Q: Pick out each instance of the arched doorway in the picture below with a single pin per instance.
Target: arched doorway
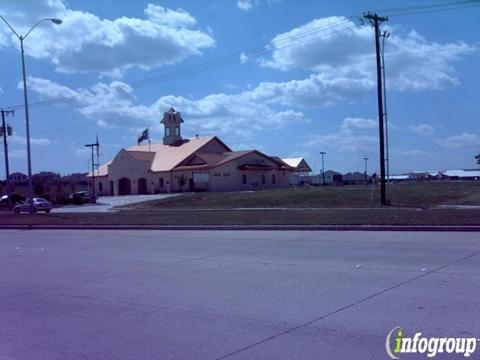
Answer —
(142, 186)
(111, 188)
(124, 187)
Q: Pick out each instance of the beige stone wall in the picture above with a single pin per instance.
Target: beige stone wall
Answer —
(102, 185)
(228, 178)
(125, 165)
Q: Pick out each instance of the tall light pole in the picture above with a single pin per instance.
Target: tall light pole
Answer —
(25, 96)
(366, 169)
(323, 167)
(7, 131)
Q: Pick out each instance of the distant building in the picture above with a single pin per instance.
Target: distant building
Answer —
(301, 171)
(398, 178)
(197, 164)
(354, 178)
(332, 178)
(18, 178)
(467, 174)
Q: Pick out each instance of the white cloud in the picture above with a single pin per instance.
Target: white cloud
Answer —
(15, 139)
(317, 90)
(111, 104)
(245, 5)
(82, 153)
(350, 124)
(243, 58)
(240, 116)
(86, 43)
(338, 48)
(460, 141)
(412, 153)
(355, 135)
(424, 130)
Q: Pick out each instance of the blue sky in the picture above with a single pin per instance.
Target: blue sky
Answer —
(300, 79)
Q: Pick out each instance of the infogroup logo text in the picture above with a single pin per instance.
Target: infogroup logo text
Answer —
(397, 343)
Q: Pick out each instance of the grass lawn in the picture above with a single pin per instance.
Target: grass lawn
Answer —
(413, 204)
(391, 216)
(416, 195)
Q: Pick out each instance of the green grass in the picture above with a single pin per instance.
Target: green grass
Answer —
(417, 195)
(389, 216)
(413, 204)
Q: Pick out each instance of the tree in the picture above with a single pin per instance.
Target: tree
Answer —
(477, 157)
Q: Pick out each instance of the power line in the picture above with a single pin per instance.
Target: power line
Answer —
(262, 49)
(216, 63)
(390, 11)
(433, 10)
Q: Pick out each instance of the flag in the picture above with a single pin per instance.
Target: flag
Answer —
(144, 136)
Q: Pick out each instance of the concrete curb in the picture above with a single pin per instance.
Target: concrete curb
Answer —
(426, 228)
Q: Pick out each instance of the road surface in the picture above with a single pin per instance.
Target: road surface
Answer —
(231, 295)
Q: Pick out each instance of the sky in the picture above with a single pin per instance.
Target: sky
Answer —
(289, 78)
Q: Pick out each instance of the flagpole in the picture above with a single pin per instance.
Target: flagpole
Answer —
(148, 133)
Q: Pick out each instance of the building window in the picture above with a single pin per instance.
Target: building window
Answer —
(263, 179)
(273, 178)
(160, 182)
(244, 179)
(100, 187)
(177, 131)
(167, 131)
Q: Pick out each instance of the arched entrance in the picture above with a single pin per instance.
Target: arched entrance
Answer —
(124, 187)
(142, 186)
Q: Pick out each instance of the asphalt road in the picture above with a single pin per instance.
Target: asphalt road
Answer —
(231, 295)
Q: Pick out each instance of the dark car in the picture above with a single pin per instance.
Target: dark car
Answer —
(39, 204)
(14, 199)
(80, 197)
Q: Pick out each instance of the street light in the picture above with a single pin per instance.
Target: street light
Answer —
(323, 167)
(27, 121)
(366, 174)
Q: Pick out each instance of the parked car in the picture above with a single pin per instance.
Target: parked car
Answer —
(39, 204)
(80, 197)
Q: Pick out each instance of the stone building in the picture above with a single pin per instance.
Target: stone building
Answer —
(197, 164)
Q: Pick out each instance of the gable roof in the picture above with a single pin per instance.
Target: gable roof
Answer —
(293, 162)
(298, 163)
(142, 155)
(211, 160)
(166, 157)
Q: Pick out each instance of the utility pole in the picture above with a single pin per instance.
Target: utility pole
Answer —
(323, 167)
(375, 21)
(7, 131)
(385, 35)
(366, 169)
(93, 146)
